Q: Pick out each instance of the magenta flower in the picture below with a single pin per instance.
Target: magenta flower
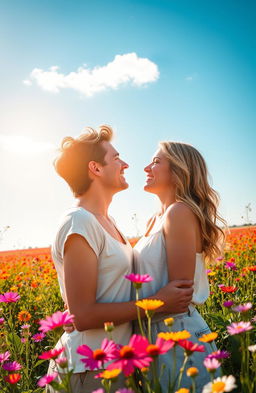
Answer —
(243, 307)
(132, 355)
(139, 278)
(219, 355)
(4, 356)
(57, 319)
(51, 354)
(11, 366)
(228, 303)
(191, 347)
(38, 337)
(211, 364)
(46, 380)
(161, 346)
(95, 359)
(9, 297)
(230, 265)
(1, 321)
(239, 327)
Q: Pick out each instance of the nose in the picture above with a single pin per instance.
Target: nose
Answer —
(147, 168)
(125, 165)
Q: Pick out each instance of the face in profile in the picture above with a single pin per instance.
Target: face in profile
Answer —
(159, 175)
(113, 170)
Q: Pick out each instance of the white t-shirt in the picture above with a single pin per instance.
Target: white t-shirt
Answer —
(114, 262)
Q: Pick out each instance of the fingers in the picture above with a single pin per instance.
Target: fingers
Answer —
(183, 283)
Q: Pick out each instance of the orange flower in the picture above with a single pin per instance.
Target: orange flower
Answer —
(149, 304)
(175, 336)
(208, 338)
(192, 372)
(182, 390)
(24, 316)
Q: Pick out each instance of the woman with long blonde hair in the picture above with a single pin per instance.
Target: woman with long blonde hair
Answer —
(178, 241)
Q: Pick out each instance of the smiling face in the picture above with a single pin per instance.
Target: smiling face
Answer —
(159, 175)
(112, 173)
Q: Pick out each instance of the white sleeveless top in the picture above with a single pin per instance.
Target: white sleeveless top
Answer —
(150, 258)
(115, 260)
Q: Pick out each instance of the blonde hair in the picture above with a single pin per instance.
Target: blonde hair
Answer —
(192, 188)
(75, 154)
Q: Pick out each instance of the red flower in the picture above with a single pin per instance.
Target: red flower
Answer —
(252, 268)
(52, 354)
(228, 289)
(191, 347)
(161, 346)
(12, 378)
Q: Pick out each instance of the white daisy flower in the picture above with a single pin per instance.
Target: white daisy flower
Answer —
(252, 348)
(220, 385)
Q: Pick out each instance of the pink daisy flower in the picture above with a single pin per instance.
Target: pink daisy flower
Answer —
(57, 319)
(4, 356)
(219, 355)
(191, 347)
(239, 327)
(38, 337)
(52, 354)
(230, 265)
(62, 362)
(11, 366)
(243, 307)
(161, 346)
(95, 359)
(211, 364)
(139, 278)
(132, 355)
(47, 379)
(1, 321)
(9, 297)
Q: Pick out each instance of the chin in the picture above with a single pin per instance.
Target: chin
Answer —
(148, 188)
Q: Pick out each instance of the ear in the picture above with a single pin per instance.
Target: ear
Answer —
(94, 167)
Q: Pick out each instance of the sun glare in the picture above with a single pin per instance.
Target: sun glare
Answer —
(24, 145)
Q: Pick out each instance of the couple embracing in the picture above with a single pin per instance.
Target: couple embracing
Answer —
(92, 256)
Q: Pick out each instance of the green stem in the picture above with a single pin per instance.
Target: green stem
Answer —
(182, 370)
(138, 315)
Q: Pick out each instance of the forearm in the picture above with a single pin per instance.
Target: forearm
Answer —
(93, 316)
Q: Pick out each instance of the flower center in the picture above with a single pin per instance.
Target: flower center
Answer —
(218, 387)
(153, 350)
(98, 354)
(127, 352)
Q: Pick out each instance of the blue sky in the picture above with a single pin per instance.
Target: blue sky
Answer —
(196, 84)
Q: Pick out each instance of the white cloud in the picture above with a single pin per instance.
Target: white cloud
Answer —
(123, 69)
(24, 145)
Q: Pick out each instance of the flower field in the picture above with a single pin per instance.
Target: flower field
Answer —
(29, 293)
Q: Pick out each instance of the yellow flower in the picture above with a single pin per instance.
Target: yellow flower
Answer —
(212, 273)
(14, 289)
(149, 304)
(110, 374)
(182, 390)
(192, 372)
(24, 316)
(175, 336)
(208, 338)
(169, 321)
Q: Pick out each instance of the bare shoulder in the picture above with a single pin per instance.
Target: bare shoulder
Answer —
(179, 213)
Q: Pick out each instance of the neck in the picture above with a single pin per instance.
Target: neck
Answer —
(95, 201)
(166, 199)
